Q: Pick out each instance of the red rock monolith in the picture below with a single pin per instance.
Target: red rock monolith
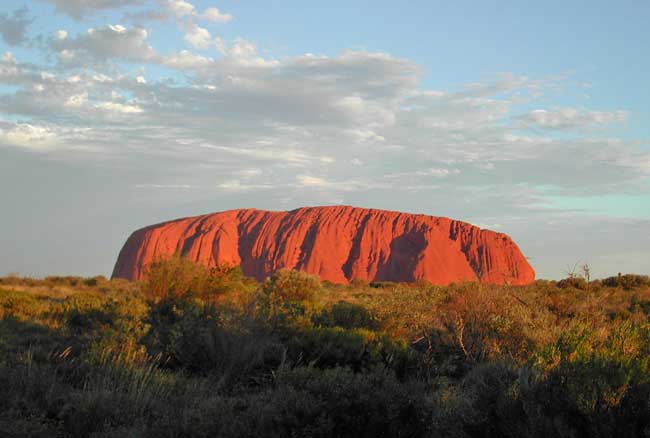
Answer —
(338, 244)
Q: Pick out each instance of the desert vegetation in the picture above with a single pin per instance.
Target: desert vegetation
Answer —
(197, 352)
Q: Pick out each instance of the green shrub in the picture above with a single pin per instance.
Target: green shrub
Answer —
(627, 281)
(573, 282)
(486, 325)
(307, 402)
(178, 276)
(174, 277)
(345, 315)
(330, 347)
(592, 396)
(94, 281)
(188, 334)
(21, 305)
(382, 284)
(294, 286)
(485, 404)
(287, 298)
(357, 349)
(88, 319)
(358, 283)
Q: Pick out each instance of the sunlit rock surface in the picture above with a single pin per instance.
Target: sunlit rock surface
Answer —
(338, 244)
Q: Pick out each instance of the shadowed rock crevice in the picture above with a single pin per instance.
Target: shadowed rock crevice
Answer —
(248, 233)
(405, 252)
(355, 251)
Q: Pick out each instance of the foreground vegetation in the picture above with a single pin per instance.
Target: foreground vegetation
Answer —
(192, 352)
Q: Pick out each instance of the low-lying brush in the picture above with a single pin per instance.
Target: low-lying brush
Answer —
(196, 352)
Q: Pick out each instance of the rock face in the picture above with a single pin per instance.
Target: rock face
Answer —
(336, 243)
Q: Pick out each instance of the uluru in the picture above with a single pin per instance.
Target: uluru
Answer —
(337, 243)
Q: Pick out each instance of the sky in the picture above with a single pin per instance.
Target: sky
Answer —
(528, 118)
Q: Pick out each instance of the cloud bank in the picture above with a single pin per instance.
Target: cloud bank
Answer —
(218, 118)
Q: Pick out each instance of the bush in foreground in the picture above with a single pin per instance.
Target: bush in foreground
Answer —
(218, 355)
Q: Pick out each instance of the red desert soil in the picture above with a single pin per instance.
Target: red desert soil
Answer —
(338, 244)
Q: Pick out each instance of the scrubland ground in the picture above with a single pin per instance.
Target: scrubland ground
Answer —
(192, 352)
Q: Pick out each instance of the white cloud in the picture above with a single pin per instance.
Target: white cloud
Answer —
(198, 37)
(77, 100)
(66, 55)
(572, 118)
(341, 185)
(182, 9)
(78, 8)
(108, 42)
(237, 186)
(119, 107)
(434, 172)
(214, 15)
(312, 181)
(28, 136)
(441, 173)
(185, 60)
(242, 49)
(357, 122)
(9, 71)
(364, 136)
(165, 186)
(249, 173)
(220, 46)
(8, 58)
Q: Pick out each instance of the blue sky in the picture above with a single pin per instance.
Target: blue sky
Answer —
(527, 118)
